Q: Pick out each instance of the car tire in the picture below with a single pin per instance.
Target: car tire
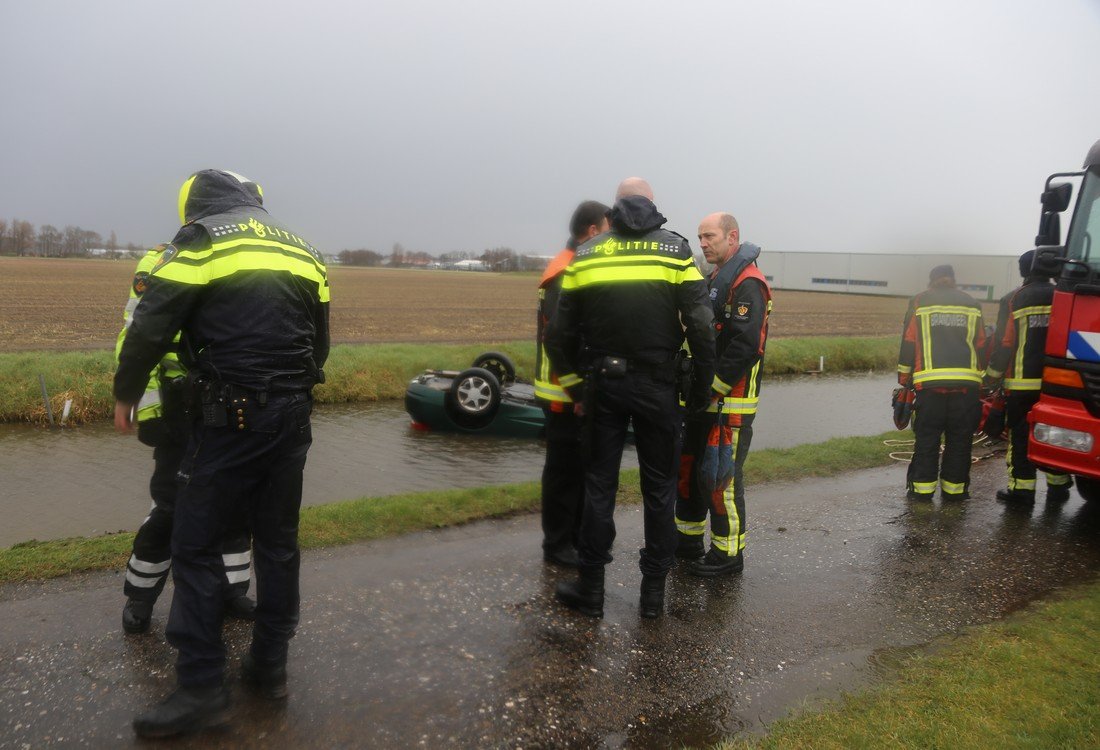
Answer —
(1088, 488)
(473, 398)
(498, 364)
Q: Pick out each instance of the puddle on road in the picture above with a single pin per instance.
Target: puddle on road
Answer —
(88, 481)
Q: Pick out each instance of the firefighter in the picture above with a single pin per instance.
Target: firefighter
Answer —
(941, 341)
(741, 301)
(1017, 364)
(162, 426)
(562, 475)
(628, 295)
(250, 300)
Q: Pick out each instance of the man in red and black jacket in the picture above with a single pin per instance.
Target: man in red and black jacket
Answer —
(563, 473)
(941, 344)
(742, 301)
(1017, 363)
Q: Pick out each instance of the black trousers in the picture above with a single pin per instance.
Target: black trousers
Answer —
(149, 563)
(653, 406)
(1021, 472)
(562, 480)
(951, 416)
(229, 474)
(726, 507)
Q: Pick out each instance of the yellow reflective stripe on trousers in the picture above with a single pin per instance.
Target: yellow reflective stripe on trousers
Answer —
(733, 543)
(924, 376)
(213, 265)
(691, 528)
(734, 405)
(1057, 480)
(551, 392)
(1023, 384)
(952, 488)
(925, 488)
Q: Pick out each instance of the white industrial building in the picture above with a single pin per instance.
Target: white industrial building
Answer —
(984, 277)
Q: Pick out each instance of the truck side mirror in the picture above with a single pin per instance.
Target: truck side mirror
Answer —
(1056, 197)
(1048, 260)
(1050, 229)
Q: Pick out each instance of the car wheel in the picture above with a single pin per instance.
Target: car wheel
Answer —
(473, 398)
(498, 364)
(1088, 488)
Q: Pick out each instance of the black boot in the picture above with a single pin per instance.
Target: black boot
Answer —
(1016, 496)
(716, 563)
(186, 710)
(1058, 493)
(653, 596)
(267, 679)
(241, 607)
(689, 546)
(136, 616)
(585, 594)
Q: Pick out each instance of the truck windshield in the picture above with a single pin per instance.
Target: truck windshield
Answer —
(1085, 229)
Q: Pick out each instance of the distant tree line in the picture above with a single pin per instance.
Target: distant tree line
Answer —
(19, 237)
(496, 259)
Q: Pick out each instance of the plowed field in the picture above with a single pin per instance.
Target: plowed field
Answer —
(49, 303)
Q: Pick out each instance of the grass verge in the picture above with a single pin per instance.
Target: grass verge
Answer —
(1030, 681)
(367, 372)
(374, 518)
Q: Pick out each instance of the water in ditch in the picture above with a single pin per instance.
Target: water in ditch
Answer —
(88, 480)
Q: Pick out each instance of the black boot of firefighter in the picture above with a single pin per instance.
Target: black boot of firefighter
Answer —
(689, 546)
(585, 594)
(136, 616)
(653, 596)
(717, 563)
(186, 710)
(1016, 496)
(1058, 493)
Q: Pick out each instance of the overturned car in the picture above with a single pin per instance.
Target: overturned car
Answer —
(485, 398)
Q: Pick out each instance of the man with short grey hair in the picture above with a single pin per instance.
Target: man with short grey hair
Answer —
(716, 442)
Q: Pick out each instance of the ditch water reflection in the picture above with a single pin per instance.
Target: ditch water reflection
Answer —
(87, 481)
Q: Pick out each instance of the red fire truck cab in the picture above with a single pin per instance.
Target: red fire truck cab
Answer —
(1065, 424)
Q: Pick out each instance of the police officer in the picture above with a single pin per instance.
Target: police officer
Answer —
(163, 426)
(250, 298)
(1017, 363)
(562, 475)
(941, 340)
(741, 300)
(628, 295)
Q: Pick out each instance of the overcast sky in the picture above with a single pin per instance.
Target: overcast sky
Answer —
(847, 125)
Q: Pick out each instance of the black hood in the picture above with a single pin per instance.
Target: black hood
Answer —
(214, 191)
(635, 214)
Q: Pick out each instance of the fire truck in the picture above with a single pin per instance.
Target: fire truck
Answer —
(1065, 424)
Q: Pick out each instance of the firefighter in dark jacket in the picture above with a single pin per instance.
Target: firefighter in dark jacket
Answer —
(628, 295)
(562, 474)
(162, 425)
(941, 344)
(741, 300)
(250, 300)
(1017, 363)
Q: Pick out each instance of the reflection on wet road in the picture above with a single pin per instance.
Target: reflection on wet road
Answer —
(89, 481)
(453, 637)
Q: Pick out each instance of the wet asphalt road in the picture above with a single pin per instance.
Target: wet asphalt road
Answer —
(453, 638)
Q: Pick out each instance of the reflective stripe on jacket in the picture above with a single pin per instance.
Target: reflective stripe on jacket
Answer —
(941, 340)
(1021, 336)
(547, 386)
